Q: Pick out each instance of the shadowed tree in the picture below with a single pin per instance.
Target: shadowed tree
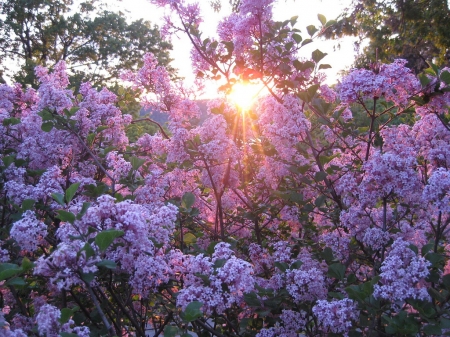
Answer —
(95, 43)
(416, 30)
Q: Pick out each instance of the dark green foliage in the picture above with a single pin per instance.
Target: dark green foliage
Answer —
(417, 31)
(96, 44)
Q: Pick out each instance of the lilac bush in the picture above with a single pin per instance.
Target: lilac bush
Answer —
(317, 211)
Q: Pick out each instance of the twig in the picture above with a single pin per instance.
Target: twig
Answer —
(108, 326)
(154, 122)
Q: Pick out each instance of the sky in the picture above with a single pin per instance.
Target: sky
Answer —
(306, 10)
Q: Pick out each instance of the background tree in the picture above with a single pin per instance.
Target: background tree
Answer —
(416, 30)
(95, 43)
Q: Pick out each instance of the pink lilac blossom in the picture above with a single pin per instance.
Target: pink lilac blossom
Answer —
(337, 316)
(338, 241)
(376, 238)
(402, 274)
(235, 274)
(328, 94)
(63, 266)
(150, 272)
(97, 108)
(260, 258)
(436, 192)
(119, 167)
(283, 124)
(52, 91)
(29, 232)
(50, 182)
(306, 283)
(388, 175)
(23, 323)
(394, 81)
(292, 324)
(48, 321)
(5, 330)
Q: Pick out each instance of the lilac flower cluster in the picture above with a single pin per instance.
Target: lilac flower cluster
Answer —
(29, 232)
(403, 274)
(337, 316)
(226, 283)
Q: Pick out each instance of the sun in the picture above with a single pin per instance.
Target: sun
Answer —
(244, 94)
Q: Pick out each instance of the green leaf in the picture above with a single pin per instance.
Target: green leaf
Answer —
(70, 192)
(105, 238)
(293, 20)
(434, 258)
(434, 68)
(252, 299)
(189, 239)
(66, 313)
(11, 121)
(66, 216)
(16, 281)
(414, 248)
(304, 96)
(426, 248)
(336, 270)
(90, 138)
(170, 331)
(327, 254)
(192, 311)
(317, 55)
(320, 200)
(283, 266)
(188, 200)
(445, 76)
(27, 264)
(46, 115)
(107, 264)
(28, 204)
(83, 210)
(312, 90)
(326, 159)
(101, 128)
(436, 295)
(8, 160)
(446, 281)
(356, 293)
(432, 330)
(330, 23)
(324, 66)
(297, 38)
(88, 277)
(322, 18)
(68, 334)
(72, 111)
(219, 263)
(47, 126)
(229, 45)
(88, 249)
(8, 270)
(445, 323)
(311, 30)
(59, 198)
(424, 80)
(296, 265)
(319, 176)
(211, 247)
(136, 163)
(306, 41)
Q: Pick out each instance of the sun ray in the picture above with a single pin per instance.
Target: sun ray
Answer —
(244, 94)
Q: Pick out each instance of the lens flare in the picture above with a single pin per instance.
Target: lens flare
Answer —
(244, 94)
